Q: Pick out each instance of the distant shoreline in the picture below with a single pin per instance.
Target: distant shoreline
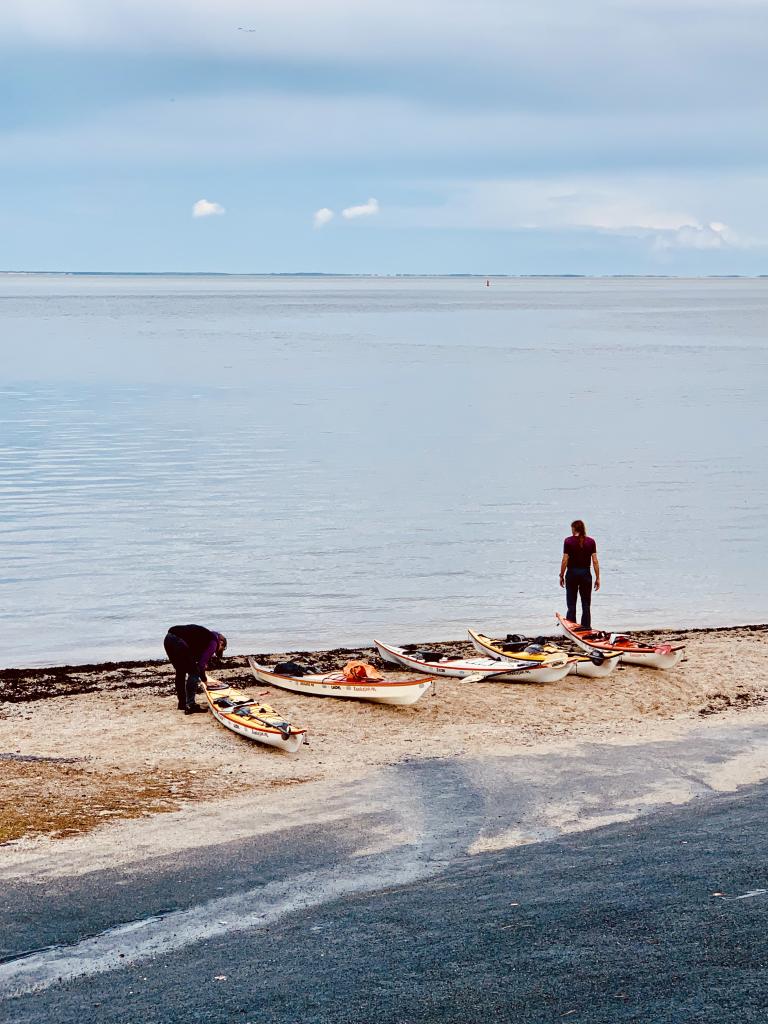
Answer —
(385, 277)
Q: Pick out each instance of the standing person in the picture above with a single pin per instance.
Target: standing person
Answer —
(190, 650)
(579, 553)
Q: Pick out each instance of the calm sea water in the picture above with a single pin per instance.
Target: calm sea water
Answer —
(311, 462)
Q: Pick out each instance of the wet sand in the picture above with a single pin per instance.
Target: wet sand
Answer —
(86, 746)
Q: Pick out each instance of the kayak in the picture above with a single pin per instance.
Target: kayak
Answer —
(464, 668)
(662, 656)
(248, 717)
(334, 684)
(594, 665)
(547, 654)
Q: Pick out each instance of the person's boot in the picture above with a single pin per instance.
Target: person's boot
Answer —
(192, 707)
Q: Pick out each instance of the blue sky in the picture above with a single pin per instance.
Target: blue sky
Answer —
(491, 136)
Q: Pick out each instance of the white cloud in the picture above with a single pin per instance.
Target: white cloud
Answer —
(322, 217)
(714, 235)
(273, 130)
(665, 212)
(632, 206)
(205, 208)
(368, 209)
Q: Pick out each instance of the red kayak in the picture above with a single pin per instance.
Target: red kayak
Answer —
(662, 656)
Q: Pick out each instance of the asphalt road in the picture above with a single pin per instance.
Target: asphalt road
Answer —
(620, 923)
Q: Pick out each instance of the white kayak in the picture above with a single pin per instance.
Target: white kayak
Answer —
(662, 656)
(399, 692)
(594, 665)
(466, 668)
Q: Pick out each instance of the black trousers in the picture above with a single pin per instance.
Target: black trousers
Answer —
(187, 672)
(578, 583)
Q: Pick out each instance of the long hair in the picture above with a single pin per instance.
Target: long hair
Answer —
(581, 530)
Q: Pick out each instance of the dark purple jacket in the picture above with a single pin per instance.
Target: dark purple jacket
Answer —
(201, 642)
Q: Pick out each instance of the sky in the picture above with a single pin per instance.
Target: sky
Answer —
(384, 136)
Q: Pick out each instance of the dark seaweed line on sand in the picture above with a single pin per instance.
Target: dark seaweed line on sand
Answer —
(29, 684)
(24, 685)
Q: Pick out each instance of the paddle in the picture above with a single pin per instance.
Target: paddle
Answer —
(283, 728)
(478, 677)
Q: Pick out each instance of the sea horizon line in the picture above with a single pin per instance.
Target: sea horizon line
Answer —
(373, 276)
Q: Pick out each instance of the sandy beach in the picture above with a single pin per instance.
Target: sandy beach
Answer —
(149, 860)
(87, 746)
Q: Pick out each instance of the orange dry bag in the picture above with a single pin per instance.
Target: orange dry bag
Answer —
(359, 671)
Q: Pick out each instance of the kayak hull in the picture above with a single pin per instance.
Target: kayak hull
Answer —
(654, 660)
(586, 667)
(461, 668)
(333, 684)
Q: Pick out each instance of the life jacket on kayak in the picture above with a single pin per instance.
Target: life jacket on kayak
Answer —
(359, 671)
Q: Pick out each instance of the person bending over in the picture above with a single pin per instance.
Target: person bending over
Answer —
(579, 553)
(190, 650)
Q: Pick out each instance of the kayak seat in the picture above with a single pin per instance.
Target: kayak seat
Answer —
(430, 656)
(289, 668)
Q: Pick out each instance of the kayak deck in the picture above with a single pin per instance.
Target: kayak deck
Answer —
(334, 684)
(250, 717)
(662, 656)
(474, 669)
(549, 654)
(618, 642)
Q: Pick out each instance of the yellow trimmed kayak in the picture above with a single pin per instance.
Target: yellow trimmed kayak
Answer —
(594, 665)
(248, 717)
(548, 655)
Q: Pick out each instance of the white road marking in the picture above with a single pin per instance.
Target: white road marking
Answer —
(744, 896)
(156, 936)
